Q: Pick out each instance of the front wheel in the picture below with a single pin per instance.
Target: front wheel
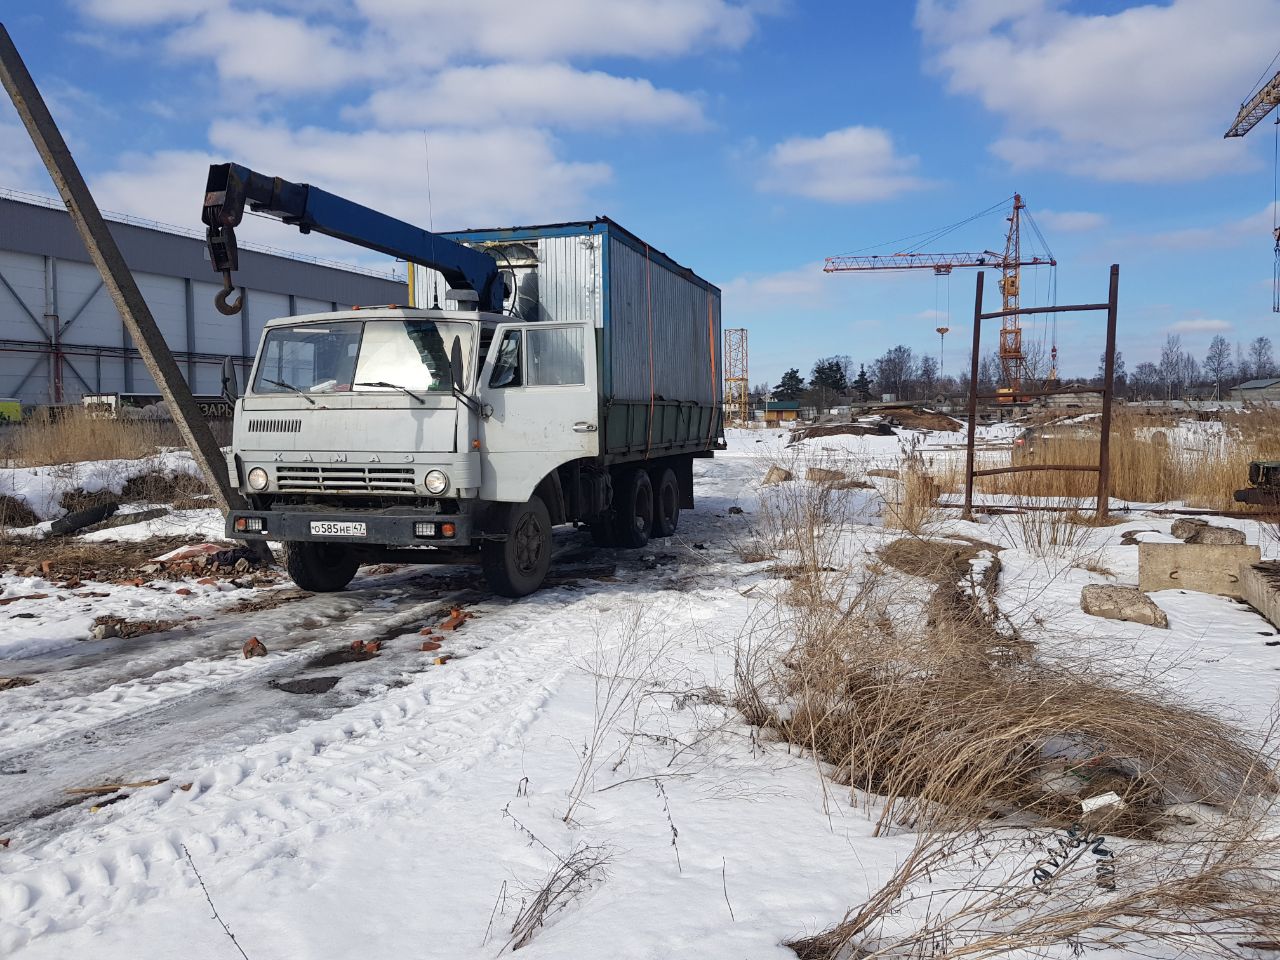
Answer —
(516, 566)
(319, 567)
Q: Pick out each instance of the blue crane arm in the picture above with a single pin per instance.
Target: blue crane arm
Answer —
(231, 186)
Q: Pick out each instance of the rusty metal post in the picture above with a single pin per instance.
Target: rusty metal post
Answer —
(1108, 393)
(973, 400)
(105, 254)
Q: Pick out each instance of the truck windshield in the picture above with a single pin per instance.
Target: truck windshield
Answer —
(350, 356)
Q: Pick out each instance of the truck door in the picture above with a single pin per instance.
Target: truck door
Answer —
(540, 381)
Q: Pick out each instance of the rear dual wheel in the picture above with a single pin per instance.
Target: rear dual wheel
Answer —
(645, 504)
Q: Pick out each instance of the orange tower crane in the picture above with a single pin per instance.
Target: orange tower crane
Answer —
(1013, 361)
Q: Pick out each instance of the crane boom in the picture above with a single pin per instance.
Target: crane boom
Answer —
(1257, 107)
(940, 263)
(230, 186)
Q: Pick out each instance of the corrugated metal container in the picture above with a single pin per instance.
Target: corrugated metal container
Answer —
(659, 321)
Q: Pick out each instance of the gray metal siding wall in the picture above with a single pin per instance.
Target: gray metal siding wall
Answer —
(569, 280)
(178, 285)
(656, 313)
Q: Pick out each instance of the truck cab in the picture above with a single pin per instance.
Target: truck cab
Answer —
(400, 433)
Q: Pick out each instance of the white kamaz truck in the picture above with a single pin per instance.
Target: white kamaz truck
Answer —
(562, 374)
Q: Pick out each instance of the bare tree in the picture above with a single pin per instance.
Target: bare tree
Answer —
(896, 370)
(928, 375)
(1217, 363)
(1261, 362)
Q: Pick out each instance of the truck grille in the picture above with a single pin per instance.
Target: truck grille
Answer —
(275, 426)
(344, 479)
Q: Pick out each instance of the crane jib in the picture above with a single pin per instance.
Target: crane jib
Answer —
(230, 187)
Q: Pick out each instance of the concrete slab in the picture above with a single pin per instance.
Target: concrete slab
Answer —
(1260, 583)
(1203, 567)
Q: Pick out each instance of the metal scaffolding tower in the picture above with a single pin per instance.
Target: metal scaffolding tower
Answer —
(737, 404)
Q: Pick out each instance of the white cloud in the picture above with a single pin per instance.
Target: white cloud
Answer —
(1070, 221)
(1255, 228)
(145, 12)
(279, 53)
(852, 165)
(1141, 95)
(556, 29)
(20, 166)
(531, 94)
(1200, 325)
(383, 170)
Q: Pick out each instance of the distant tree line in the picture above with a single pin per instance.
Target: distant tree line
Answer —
(907, 375)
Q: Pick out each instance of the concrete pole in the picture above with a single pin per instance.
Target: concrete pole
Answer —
(119, 282)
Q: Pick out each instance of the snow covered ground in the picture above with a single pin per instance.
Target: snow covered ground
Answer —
(416, 808)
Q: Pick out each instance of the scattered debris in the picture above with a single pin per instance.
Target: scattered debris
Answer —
(80, 519)
(736, 511)
(1130, 537)
(26, 596)
(12, 683)
(457, 617)
(870, 427)
(1195, 530)
(430, 645)
(109, 625)
(776, 474)
(106, 788)
(440, 661)
(823, 475)
(881, 472)
(1122, 603)
(125, 519)
(253, 647)
(309, 686)
(352, 654)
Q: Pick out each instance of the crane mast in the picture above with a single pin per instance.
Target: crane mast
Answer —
(1013, 362)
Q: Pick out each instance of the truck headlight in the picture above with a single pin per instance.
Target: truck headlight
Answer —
(436, 481)
(258, 479)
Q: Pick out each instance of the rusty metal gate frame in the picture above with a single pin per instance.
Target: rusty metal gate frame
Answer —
(1103, 468)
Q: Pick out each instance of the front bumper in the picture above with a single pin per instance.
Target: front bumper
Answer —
(382, 527)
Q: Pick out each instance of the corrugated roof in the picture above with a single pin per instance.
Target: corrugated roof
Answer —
(1259, 384)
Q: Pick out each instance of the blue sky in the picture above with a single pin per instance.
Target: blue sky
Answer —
(749, 139)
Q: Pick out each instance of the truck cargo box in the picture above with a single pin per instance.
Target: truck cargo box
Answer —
(658, 325)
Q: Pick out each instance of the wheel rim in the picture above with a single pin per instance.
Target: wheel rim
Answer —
(528, 537)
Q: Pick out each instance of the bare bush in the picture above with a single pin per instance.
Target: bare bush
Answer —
(569, 879)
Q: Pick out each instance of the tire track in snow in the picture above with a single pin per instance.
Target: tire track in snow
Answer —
(403, 749)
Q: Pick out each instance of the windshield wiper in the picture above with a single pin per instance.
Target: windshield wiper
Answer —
(391, 386)
(290, 386)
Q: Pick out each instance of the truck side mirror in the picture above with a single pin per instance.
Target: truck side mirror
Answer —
(230, 382)
(455, 364)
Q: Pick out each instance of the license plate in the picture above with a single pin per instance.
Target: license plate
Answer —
(330, 528)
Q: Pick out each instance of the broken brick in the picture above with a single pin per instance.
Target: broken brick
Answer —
(4, 841)
(372, 646)
(457, 617)
(441, 660)
(46, 566)
(253, 647)
(208, 581)
(429, 645)
(183, 592)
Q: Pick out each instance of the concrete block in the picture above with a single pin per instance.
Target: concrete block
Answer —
(1260, 583)
(1202, 567)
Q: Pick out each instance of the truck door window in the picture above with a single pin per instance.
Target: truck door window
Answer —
(553, 357)
(506, 366)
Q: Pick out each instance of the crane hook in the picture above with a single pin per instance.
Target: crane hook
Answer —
(220, 301)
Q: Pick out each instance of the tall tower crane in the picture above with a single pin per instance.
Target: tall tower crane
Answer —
(1252, 112)
(1013, 361)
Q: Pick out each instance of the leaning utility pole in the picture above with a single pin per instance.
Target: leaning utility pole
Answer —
(105, 254)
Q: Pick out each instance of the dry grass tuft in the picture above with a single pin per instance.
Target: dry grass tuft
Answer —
(15, 513)
(924, 699)
(76, 436)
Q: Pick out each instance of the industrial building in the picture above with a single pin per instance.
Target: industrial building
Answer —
(1258, 391)
(62, 338)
